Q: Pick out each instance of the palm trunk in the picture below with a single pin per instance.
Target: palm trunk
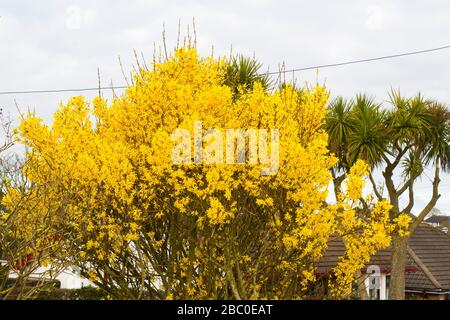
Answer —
(399, 254)
(400, 244)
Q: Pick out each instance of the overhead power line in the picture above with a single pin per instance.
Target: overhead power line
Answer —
(322, 66)
(338, 64)
(62, 90)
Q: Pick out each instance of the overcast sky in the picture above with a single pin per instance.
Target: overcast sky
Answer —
(60, 44)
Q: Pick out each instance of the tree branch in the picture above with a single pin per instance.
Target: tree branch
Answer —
(374, 187)
(434, 198)
(410, 205)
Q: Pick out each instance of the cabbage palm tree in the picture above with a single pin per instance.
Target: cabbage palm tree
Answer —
(242, 73)
(401, 140)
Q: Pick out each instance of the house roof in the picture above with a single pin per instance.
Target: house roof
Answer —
(438, 219)
(428, 259)
(432, 248)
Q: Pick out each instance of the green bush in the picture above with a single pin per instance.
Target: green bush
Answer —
(85, 293)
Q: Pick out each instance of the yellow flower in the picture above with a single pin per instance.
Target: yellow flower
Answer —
(111, 162)
(130, 237)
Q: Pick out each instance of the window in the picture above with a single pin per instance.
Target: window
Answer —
(374, 294)
(380, 290)
(388, 280)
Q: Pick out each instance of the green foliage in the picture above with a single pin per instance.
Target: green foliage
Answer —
(243, 72)
(439, 134)
(368, 136)
(85, 293)
(356, 130)
(361, 128)
(338, 125)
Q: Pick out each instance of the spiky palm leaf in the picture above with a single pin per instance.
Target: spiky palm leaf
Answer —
(438, 135)
(412, 166)
(369, 136)
(243, 72)
(409, 119)
(338, 126)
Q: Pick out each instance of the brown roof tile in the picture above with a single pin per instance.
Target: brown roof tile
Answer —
(428, 264)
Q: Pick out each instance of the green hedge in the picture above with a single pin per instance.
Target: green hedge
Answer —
(85, 293)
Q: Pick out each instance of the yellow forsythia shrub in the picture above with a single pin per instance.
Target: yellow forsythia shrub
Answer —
(145, 227)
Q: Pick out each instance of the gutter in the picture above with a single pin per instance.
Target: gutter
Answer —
(430, 291)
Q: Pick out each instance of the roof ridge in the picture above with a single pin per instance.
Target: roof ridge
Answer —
(424, 268)
(437, 229)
